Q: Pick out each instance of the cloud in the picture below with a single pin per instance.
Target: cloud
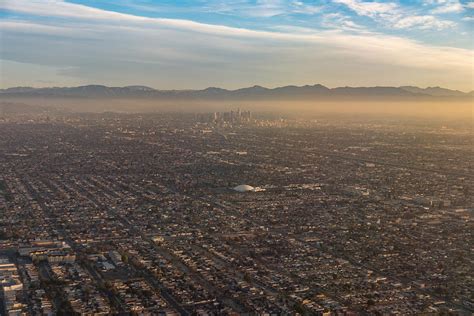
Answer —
(261, 8)
(423, 22)
(93, 45)
(61, 9)
(445, 6)
(58, 8)
(371, 9)
(340, 21)
(392, 15)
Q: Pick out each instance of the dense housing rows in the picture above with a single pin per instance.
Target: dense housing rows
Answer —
(124, 213)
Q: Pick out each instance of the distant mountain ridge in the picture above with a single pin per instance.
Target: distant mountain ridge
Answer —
(255, 92)
(435, 91)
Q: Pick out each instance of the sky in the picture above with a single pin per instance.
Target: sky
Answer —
(237, 43)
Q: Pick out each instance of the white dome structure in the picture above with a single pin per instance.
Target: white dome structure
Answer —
(244, 188)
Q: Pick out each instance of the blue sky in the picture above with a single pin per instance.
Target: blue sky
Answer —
(195, 44)
(430, 21)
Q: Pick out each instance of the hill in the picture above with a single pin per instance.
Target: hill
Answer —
(310, 92)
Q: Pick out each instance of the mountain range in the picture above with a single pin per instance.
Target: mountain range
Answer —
(255, 92)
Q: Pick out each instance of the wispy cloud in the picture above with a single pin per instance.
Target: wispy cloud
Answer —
(393, 15)
(422, 22)
(445, 6)
(338, 21)
(371, 9)
(262, 8)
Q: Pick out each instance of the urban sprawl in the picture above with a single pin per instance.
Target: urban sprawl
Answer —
(234, 214)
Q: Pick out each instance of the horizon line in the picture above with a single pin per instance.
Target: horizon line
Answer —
(236, 89)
